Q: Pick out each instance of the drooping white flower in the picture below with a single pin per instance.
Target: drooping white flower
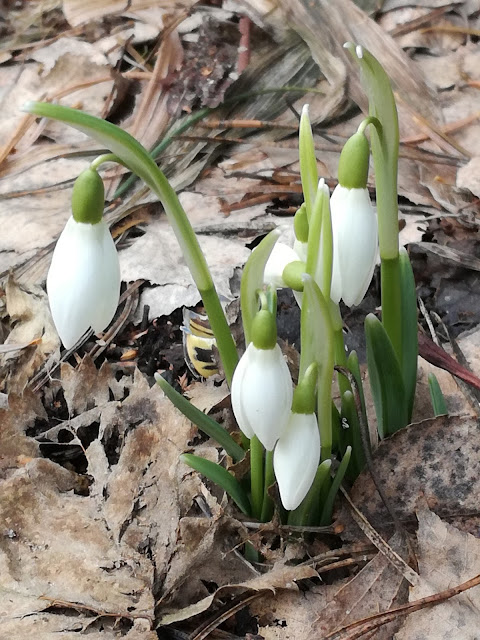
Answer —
(83, 283)
(262, 394)
(296, 458)
(355, 244)
(279, 258)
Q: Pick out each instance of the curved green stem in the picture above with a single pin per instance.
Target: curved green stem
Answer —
(105, 157)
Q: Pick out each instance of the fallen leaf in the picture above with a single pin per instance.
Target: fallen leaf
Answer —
(446, 557)
(140, 261)
(437, 459)
(31, 322)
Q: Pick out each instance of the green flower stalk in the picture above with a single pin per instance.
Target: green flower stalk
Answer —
(384, 141)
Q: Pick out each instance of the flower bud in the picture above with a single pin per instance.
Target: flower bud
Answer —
(280, 257)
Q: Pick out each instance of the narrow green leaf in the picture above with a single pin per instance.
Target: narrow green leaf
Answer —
(385, 379)
(438, 401)
(326, 517)
(352, 435)
(220, 476)
(317, 346)
(409, 323)
(252, 280)
(381, 103)
(308, 161)
(203, 422)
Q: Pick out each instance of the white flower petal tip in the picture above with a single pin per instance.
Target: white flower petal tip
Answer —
(305, 110)
(296, 458)
(280, 256)
(83, 283)
(355, 244)
(359, 51)
(262, 394)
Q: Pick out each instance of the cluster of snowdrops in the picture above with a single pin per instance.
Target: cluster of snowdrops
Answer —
(295, 435)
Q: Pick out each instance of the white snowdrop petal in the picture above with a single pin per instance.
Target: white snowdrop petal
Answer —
(107, 293)
(296, 458)
(83, 282)
(262, 394)
(238, 404)
(355, 242)
(280, 256)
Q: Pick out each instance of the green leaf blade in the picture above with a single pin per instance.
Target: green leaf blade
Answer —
(409, 324)
(386, 379)
(203, 422)
(220, 476)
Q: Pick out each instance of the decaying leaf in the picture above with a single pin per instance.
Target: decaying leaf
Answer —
(442, 465)
(447, 557)
(171, 273)
(29, 315)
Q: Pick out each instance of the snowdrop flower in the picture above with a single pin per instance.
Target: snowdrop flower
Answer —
(279, 258)
(83, 283)
(261, 385)
(283, 255)
(297, 453)
(354, 225)
(296, 458)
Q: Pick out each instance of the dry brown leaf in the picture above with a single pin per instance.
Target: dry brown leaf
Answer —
(148, 11)
(322, 609)
(377, 587)
(282, 578)
(15, 447)
(324, 23)
(437, 459)
(206, 395)
(86, 386)
(447, 557)
(75, 558)
(30, 318)
(141, 261)
(468, 176)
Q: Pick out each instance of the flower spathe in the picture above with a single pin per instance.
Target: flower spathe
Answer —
(83, 283)
(262, 394)
(296, 458)
(355, 244)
